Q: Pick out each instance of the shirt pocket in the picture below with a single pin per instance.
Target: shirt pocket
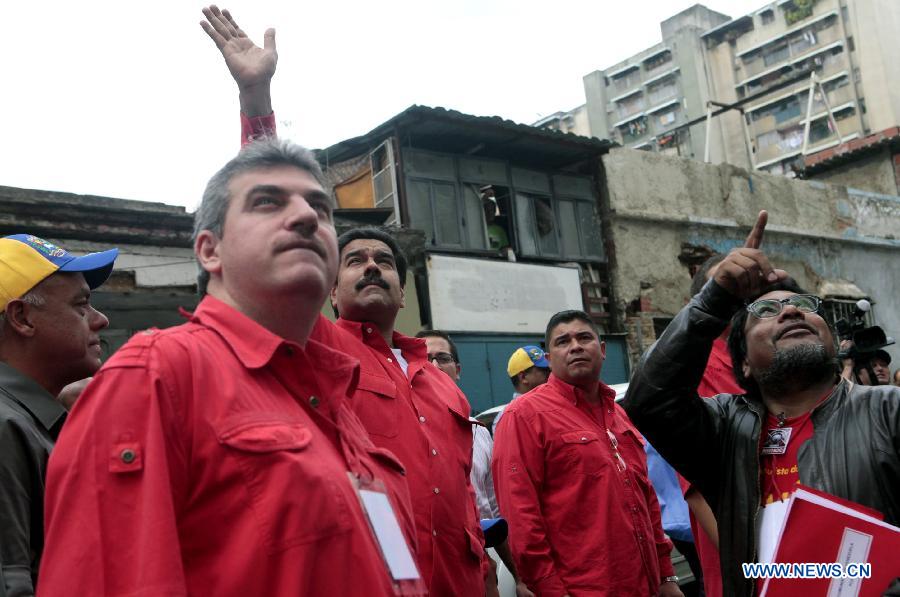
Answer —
(293, 484)
(375, 403)
(460, 430)
(583, 452)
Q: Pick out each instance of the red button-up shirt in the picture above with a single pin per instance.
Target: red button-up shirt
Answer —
(578, 523)
(423, 418)
(212, 459)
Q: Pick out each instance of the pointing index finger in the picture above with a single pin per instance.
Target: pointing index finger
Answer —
(754, 239)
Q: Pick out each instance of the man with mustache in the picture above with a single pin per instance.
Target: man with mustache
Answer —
(571, 479)
(409, 407)
(798, 421)
(49, 338)
(222, 457)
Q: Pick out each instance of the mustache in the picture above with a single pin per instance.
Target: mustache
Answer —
(796, 326)
(375, 280)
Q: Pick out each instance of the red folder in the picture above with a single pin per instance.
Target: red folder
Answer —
(822, 528)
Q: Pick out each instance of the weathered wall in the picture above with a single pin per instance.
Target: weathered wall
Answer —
(657, 204)
(874, 173)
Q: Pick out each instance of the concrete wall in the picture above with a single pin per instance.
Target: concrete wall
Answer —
(873, 173)
(658, 205)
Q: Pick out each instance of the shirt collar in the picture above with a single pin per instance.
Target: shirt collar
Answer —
(253, 344)
(32, 396)
(413, 349)
(574, 395)
(337, 371)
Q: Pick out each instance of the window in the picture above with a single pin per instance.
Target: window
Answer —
(536, 225)
(630, 105)
(660, 60)
(539, 216)
(381, 162)
(434, 210)
(776, 55)
(667, 118)
(767, 17)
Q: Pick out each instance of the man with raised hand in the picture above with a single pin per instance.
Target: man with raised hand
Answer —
(251, 67)
(571, 479)
(49, 338)
(222, 457)
(407, 405)
(798, 421)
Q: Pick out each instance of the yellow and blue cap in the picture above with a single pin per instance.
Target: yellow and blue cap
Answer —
(26, 260)
(525, 358)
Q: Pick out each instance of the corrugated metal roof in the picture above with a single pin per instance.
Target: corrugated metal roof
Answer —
(829, 158)
(449, 131)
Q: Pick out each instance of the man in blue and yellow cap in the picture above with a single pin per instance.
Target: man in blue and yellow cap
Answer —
(527, 369)
(49, 337)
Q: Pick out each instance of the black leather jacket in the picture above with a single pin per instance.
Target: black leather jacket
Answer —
(854, 452)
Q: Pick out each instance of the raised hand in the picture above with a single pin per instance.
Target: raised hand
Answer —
(746, 271)
(251, 67)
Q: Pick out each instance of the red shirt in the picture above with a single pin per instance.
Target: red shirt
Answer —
(578, 523)
(212, 459)
(256, 127)
(718, 378)
(423, 418)
(780, 473)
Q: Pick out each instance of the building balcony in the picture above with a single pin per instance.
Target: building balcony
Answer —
(791, 52)
(789, 141)
(660, 69)
(666, 119)
(837, 98)
(662, 94)
(623, 111)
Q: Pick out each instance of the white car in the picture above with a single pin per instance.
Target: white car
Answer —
(505, 580)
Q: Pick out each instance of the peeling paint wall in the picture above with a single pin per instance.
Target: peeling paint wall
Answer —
(657, 204)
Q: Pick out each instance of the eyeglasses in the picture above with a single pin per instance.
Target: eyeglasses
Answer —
(441, 358)
(805, 303)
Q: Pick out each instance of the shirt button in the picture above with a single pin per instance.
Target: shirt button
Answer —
(434, 532)
(436, 490)
(390, 360)
(289, 351)
(583, 438)
(433, 452)
(127, 456)
(368, 330)
(609, 411)
(314, 401)
(421, 419)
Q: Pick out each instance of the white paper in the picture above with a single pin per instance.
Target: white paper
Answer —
(770, 527)
(854, 549)
(389, 536)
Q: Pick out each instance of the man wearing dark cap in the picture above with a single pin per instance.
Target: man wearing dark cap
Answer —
(49, 338)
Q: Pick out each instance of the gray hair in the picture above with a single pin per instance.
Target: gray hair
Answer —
(264, 153)
(33, 297)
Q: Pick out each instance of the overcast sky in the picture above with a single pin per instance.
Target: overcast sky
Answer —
(133, 100)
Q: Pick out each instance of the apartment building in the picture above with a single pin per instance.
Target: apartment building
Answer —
(644, 101)
(763, 61)
(760, 63)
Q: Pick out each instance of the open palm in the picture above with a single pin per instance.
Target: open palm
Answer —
(249, 64)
